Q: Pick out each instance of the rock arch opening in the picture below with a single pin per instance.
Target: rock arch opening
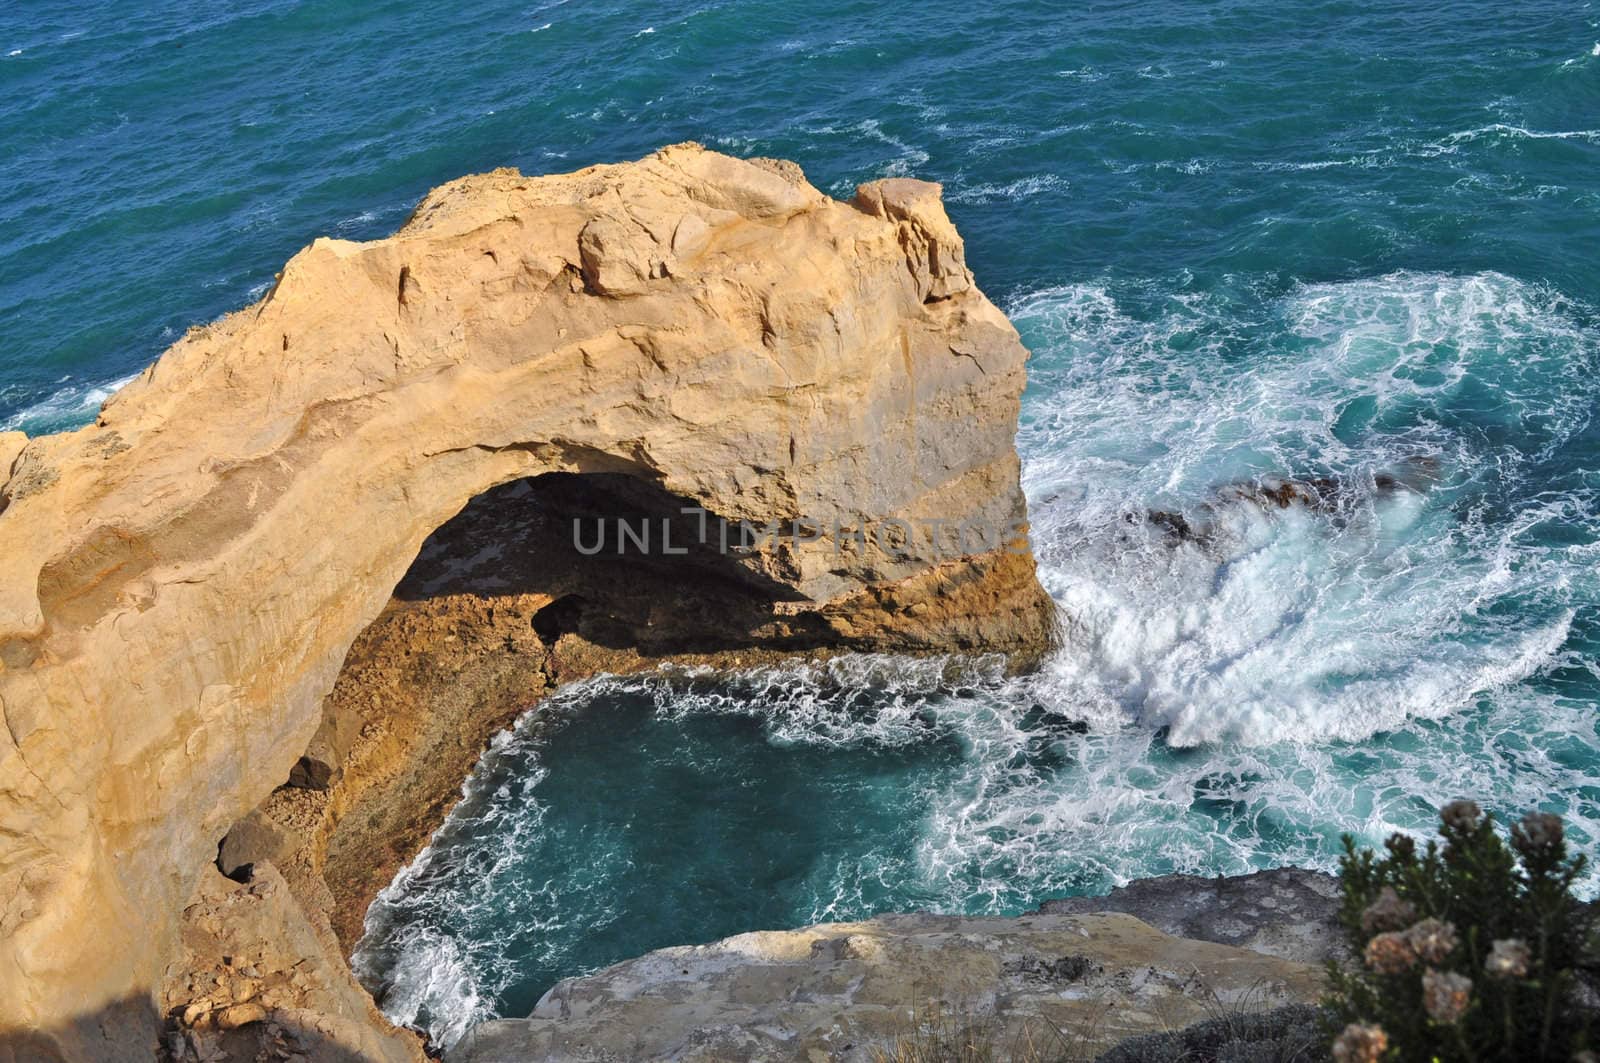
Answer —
(617, 561)
(534, 583)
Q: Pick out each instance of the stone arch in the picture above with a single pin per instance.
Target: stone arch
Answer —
(186, 576)
(507, 600)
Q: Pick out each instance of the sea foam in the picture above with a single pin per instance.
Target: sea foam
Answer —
(65, 407)
(1239, 683)
(1421, 399)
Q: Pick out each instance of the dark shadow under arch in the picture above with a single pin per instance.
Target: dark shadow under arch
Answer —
(627, 564)
(504, 602)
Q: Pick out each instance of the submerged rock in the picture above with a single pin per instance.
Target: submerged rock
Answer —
(1329, 495)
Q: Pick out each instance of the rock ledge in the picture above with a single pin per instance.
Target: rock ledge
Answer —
(853, 991)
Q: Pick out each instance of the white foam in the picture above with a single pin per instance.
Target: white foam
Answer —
(1032, 808)
(1292, 625)
(439, 981)
(66, 407)
(910, 157)
(848, 700)
(1022, 188)
(1126, 806)
(1502, 129)
(432, 978)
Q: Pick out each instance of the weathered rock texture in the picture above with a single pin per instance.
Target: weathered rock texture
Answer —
(254, 979)
(1286, 911)
(184, 578)
(1057, 986)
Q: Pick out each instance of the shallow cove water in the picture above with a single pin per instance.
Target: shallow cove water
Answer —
(1334, 242)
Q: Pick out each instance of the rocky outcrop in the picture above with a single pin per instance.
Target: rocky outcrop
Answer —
(1241, 957)
(1286, 911)
(1064, 986)
(185, 578)
(253, 980)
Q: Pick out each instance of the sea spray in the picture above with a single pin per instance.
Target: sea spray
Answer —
(1433, 414)
(1249, 669)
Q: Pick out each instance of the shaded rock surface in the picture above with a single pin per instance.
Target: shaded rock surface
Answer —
(186, 577)
(1072, 985)
(253, 980)
(1293, 1033)
(1288, 911)
(255, 839)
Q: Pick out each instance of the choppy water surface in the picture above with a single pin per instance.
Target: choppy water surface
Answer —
(1329, 242)
(1232, 698)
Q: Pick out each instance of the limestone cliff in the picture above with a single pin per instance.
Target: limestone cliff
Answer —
(184, 578)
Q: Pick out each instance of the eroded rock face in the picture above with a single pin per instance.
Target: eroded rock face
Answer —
(183, 579)
(1069, 986)
(253, 980)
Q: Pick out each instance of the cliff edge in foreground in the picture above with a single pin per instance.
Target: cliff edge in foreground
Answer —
(183, 579)
(1033, 987)
(1067, 982)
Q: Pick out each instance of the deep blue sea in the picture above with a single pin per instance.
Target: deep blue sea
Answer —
(1244, 241)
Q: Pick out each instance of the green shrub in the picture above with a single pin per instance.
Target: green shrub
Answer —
(1469, 950)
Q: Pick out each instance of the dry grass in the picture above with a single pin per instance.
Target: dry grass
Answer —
(1252, 1026)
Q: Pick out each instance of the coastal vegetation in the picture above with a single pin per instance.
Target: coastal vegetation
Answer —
(1470, 949)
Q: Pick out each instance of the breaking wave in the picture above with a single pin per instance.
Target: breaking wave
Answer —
(1430, 411)
(68, 406)
(1325, 555)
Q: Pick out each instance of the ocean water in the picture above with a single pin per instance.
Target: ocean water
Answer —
(1343, 244)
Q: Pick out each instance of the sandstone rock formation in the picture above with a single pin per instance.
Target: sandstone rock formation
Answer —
(1064, 986)
(183, 579)
(252, 979)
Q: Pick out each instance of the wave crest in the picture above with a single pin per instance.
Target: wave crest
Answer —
(1410, 600)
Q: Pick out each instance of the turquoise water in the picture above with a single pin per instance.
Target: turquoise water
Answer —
(1244, 240)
